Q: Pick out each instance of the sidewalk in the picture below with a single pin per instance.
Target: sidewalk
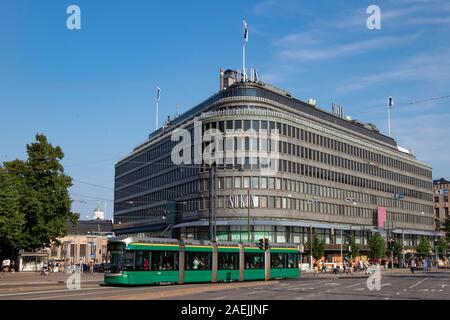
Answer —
(356, 274)
(34, 278)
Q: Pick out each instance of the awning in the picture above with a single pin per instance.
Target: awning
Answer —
(418, 232)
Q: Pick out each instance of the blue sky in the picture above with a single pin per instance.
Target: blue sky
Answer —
(92, 91)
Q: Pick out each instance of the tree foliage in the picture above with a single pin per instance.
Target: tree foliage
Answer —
(442, 246)
(397, 249)
(354, 248)
(447, 229)
(377, 247)
(424, 246)
(318, 248)
(35, 202)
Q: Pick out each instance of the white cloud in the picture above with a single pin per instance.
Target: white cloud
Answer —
(339, 50)
(433, 67)
(427, 136)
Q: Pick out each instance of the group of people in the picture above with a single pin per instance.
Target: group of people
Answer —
(66, 267)
(348, 267)
(8, 265)
(421, 263)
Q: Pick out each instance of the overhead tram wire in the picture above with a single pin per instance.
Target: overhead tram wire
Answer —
(404, 104)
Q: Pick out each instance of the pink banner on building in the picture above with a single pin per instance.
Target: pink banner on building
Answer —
(381, 217)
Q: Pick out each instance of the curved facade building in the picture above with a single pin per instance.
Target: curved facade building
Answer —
(282, 168)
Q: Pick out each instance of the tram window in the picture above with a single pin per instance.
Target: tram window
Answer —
(277, 260)
(284, 260)
(139, 257)
(254, 260)
(228, 260)
(164, 260)
(291, 260)
(198, 261)
(128, 261)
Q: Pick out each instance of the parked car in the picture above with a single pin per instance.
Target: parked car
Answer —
(100, 267)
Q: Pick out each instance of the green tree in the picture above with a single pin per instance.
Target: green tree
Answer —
(397, 249)
(318, 248)
(12, 219)
(424, 247)
(442, 246)
(354, 248)
(447, 229)
(41, 196)
(377, 247)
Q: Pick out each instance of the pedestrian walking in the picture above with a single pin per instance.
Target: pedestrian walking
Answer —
(6, 264)
(425, 264)
(335, 268)
(413, 265)
(91, 266)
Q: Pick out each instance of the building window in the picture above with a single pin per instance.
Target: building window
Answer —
(255, 182)
(229, 183)
(246, 182)
(263, 202)
(221, 183)
(237, 182)
(263, 182)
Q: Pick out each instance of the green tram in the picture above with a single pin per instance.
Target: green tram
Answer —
(138, 261)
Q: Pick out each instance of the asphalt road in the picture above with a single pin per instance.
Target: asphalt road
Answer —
(399, 285)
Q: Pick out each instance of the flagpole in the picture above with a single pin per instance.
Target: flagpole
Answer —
(243, 60)
(389, 120)
(390, 103)
(244, 42)
(157, 115)
(157, 108)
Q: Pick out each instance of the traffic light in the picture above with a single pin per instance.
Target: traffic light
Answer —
(391, 244)
(435, 242)
(266, 244)
(261, 244)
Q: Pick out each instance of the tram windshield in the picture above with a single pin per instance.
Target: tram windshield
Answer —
(114, 258)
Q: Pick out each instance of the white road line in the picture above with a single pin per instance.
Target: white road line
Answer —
(253, 292)
(356, 284)
(50, 291)
(385, 284)
(306, 284)
(417, 283)
(218, 298)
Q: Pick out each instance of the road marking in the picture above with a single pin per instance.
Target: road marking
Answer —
(417, 283)
(444, 285)
(356, 284)
(50, 291)
(385, 284)
(359, 289)
(219, 298)
(253, 292)
(304, 284)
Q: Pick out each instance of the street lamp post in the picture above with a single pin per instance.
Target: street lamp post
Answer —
(212, 194)
(248, 214)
